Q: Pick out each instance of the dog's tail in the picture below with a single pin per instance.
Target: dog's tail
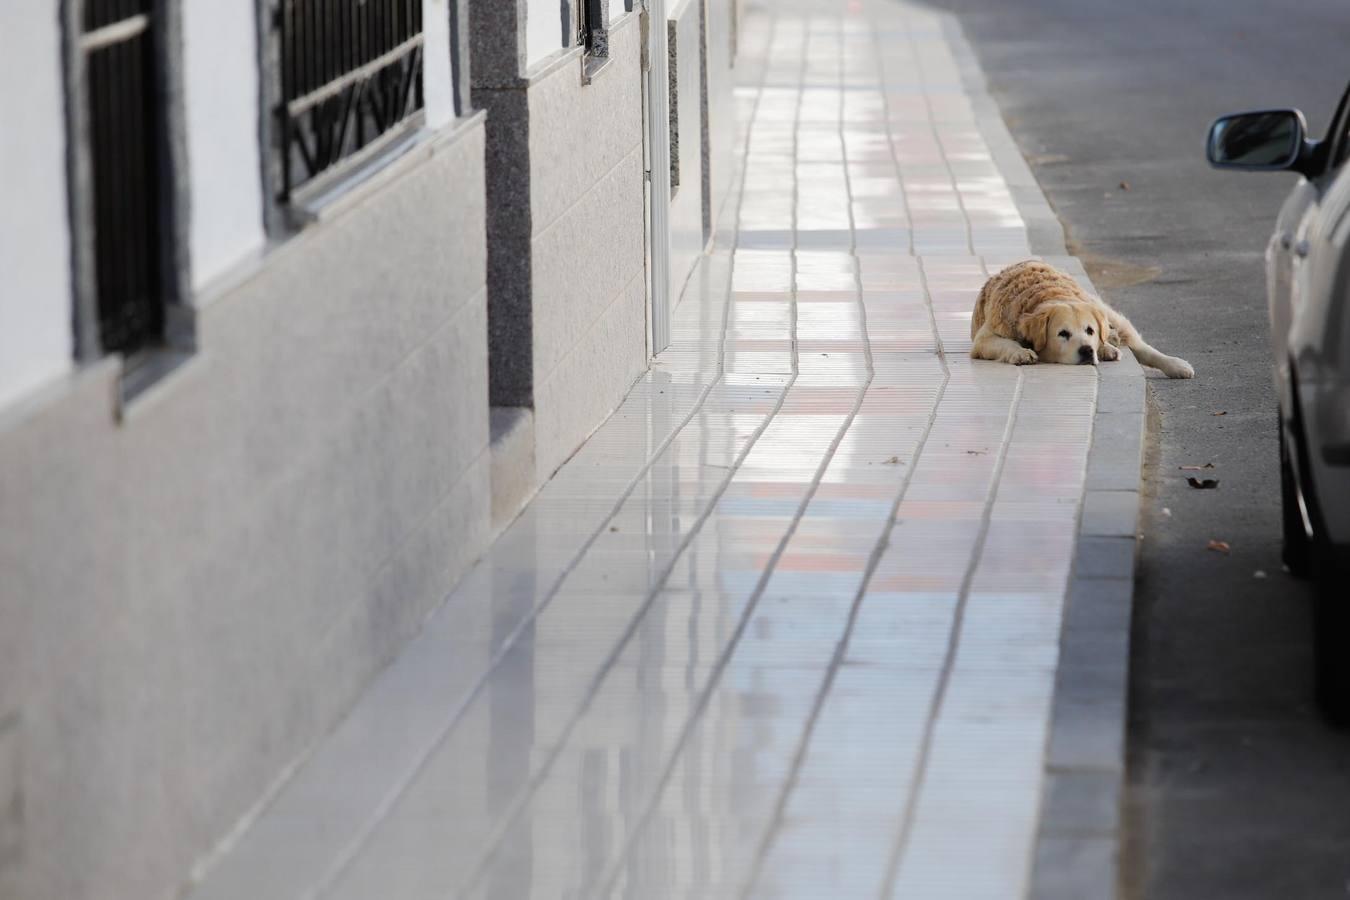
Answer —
(1125, 335)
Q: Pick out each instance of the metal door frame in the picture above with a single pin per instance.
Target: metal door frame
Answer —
(657, 77)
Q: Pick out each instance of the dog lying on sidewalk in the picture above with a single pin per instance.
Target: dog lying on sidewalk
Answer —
(1033, 312)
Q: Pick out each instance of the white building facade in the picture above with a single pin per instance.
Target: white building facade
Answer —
(303, 300)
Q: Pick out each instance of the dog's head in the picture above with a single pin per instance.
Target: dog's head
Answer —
(1065, 331)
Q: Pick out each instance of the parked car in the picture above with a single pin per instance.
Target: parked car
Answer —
(1308, 290)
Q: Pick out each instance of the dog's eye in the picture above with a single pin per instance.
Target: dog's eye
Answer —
(1065, 334)
(1089, 331)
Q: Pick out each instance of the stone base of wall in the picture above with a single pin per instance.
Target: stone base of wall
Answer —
(587, 242)
(195, 591)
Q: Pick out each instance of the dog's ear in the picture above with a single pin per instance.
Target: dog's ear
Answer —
(1035, 325)
(1103, 325)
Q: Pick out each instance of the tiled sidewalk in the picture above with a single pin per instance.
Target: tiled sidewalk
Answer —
(787, 625)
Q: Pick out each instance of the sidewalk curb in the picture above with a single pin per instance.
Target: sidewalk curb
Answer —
(1081, 829)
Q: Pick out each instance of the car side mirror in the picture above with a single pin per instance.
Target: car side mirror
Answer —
(1263, 141)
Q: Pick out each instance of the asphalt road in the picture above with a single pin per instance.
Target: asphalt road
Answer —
(1237, 789)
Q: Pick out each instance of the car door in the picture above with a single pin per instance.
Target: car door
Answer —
(1317, 265)
(1290, 228)
(1296, 228)
(1315, 352)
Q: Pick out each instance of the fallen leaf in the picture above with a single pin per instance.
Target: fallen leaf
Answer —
(976, 452)
(1218, 546)
(1196, 468)
(1124, 185)
(1203, 484)
(1222, 412)
(894, 460)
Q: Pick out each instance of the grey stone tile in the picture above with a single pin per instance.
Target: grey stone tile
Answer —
(1120, 390)
(1075, 868)
(577, 133)
(1099, 606)
(1111, 557)
(1110, 513)
(590, 381)
(1079, 804)
(1117, 429)
(513, 465)
(575, 282)
(1088, 734)
(1082, 679)
(1114, 466)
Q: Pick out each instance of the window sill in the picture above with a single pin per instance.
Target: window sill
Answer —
(591, 67)
(147, 371)
(143, 373)
(310, 202)
(360, 180)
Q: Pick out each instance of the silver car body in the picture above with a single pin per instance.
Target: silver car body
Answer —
(1308, 280)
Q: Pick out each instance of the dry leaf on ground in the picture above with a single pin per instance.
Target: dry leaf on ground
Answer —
(1218, 546)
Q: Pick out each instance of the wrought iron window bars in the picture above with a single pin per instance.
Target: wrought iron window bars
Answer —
(124, 112)
(351, 71)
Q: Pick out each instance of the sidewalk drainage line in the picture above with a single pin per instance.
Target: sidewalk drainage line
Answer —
(724, 658)
(695, 717)
(873, 561)
(937, 137)
(766, 844)
(890, 139)
(527, 795)
(349, 853)
(853, 219)
(953, 645)
(932, 316)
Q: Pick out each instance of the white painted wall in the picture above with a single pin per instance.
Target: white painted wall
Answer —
(220, 70)
(220, 62)
(543, 26)
(543, 29)
(437, 87)
(36, 343)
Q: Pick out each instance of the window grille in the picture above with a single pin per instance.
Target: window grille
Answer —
(123, 109)
(593, 28)
(351, 71)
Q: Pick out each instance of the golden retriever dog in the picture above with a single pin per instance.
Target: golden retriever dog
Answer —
(1032, 312)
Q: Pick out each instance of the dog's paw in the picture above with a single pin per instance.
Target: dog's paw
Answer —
(1178, 368)
(1108, 353)
(1022, 356)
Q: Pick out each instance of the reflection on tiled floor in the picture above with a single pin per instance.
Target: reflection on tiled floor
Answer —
(787, 625)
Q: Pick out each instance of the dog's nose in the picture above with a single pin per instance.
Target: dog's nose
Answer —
(1085, 356)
